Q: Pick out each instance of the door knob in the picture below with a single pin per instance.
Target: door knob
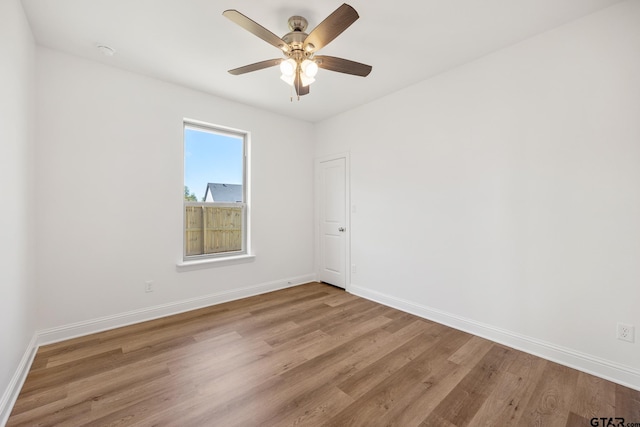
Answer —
(341, 229)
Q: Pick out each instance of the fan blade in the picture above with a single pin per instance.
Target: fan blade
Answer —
(330, 28)
(342, 65)
(256, 29)
(255, 67)
(300, 90)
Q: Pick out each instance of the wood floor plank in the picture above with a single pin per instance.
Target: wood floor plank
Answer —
(67, 415)
(381, 397)
(306, 355)
(551, 400)
(198, 362)
(142, 405)
(305, 378)
(363, 380)
(45, 379)
(357, 363)
(627, 403)
(40, 399)
(423, 396)
(471, 352)
(284, 308)
(226, 382)
(315, 411)
(504, 406)
(461, 404)
(593, 397)
(399, 321)
(311, 404)
(318, 318)
(575, 420)
(339, 298)
(327, 345)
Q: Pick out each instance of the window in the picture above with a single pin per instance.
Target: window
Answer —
(215, 192)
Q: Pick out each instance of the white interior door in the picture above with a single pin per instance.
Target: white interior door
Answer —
(333, 231)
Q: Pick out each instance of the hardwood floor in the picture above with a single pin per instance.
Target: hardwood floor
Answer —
(312, 355)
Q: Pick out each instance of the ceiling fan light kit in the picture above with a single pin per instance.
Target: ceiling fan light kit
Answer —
(301, 64)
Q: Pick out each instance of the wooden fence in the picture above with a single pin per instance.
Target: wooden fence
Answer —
(212, 229)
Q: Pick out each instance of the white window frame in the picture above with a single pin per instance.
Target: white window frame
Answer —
(245, 252)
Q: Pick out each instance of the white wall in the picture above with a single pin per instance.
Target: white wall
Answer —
(109, 172)
(505, 194)
(17, 300)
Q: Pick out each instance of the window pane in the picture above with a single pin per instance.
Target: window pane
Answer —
(213, 166)
(214, 192)
(213, 230)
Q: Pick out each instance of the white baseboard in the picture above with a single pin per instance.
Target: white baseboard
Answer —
(620, 374)
(74, 330)
(15, 385)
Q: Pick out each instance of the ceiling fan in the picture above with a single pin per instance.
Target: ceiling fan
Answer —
(301, 63)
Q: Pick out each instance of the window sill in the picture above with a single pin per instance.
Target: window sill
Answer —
(214, 262)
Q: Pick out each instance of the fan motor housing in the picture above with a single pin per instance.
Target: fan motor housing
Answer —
(295, 39)
(297, 36)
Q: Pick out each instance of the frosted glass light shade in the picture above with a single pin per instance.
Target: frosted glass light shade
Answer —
(306, 80)
(288, 79)
(306, 70)
(288, 67)
(310, 68)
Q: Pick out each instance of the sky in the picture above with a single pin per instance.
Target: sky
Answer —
(211, 157)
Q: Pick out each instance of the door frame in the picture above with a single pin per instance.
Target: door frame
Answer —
(347, 215)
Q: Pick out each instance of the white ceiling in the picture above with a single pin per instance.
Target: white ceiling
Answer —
(190, 43)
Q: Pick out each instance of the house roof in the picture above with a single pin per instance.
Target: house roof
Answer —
(224, 192)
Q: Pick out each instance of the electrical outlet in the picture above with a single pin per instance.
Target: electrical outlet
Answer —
(625, 332)
(353, 269)
(148, 286)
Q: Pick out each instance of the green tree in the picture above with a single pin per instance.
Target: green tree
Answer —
(189, 196)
